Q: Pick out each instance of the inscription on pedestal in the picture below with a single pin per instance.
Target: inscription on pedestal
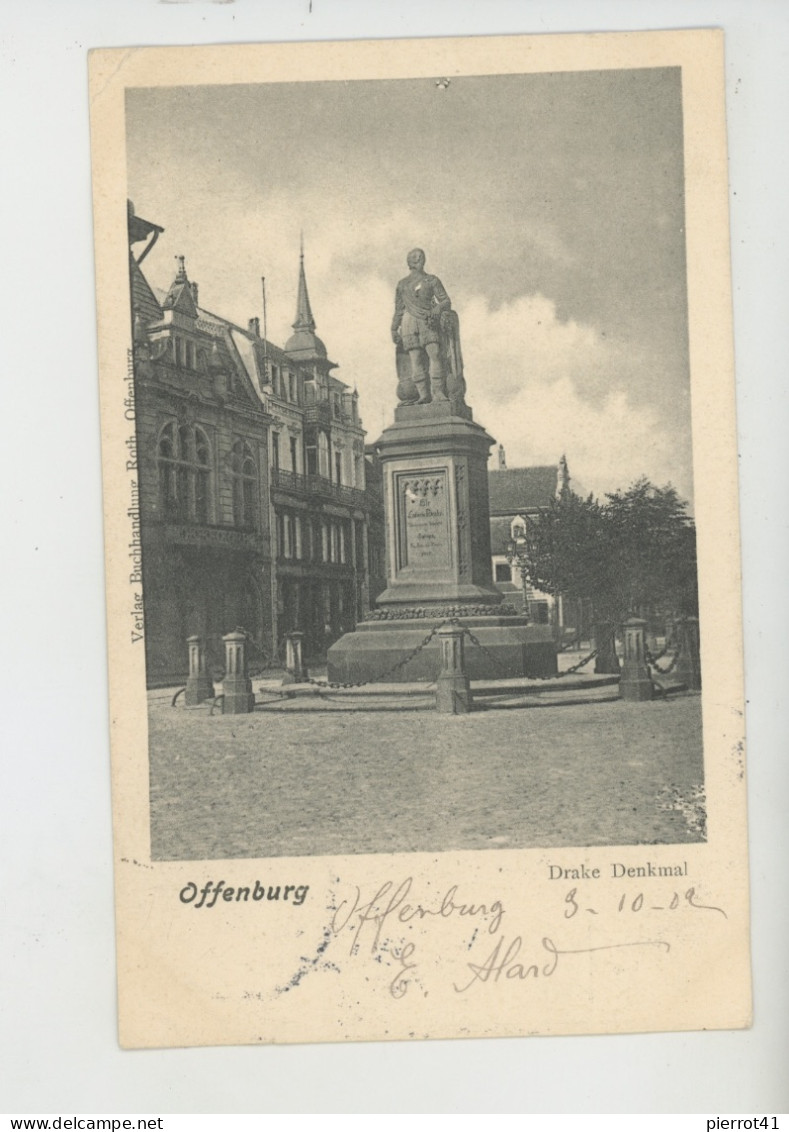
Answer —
(424, 513)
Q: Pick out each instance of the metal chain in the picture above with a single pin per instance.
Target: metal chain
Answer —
(569, 671)
(667, 647)
(381, 677)
(652, 662)
(507, 673)
(570, 646)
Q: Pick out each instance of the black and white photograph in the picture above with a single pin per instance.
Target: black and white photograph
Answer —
(413, 435)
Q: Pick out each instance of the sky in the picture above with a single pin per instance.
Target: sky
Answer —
(550, 206)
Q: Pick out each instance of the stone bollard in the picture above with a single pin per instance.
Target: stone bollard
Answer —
(634, 683)
(294, 662)
(198, 684)
(236, 686)
(453, 694)
(688, 667)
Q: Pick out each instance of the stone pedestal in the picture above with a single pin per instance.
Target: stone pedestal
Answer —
(453, 695)
(294, 661)
(435, 467)
(635, 683)
(198, 683)
(434, 459)
(510, 646)
(239, 699)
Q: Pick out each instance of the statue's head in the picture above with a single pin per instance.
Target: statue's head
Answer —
(416, 258)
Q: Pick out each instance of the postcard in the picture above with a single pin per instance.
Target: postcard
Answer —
(422, 547)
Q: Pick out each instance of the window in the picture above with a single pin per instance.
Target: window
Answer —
(335, 554)
(503, 572)
(324, 467)
(292, 388)
(244, 473)
(202, 473)
(184, 464)
(338, 467)
(359, 541)
(294, 453)
(275, 450)
(297, 550)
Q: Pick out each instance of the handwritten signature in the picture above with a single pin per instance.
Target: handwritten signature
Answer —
(498, 965)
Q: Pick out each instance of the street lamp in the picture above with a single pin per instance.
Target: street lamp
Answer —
(516, 556)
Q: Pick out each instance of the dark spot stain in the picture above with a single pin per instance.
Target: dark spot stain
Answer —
(311, 963)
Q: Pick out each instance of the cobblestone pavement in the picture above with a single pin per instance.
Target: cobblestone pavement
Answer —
(321, 782)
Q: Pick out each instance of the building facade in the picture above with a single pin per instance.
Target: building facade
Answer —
(202, 457)
(320, 505)
(516, 496)
(253, 502)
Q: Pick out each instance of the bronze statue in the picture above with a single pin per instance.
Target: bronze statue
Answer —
(426, 332)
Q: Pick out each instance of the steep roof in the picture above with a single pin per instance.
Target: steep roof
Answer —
(144, 301)
(180, 297)
(500, 534)
(515, 490)
(304, 344)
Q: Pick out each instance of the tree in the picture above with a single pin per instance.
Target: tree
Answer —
(635, 553)
(654, 546)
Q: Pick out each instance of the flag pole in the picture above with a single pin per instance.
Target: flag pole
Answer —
(265, 331)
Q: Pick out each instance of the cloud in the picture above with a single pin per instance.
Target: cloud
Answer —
(541, 384)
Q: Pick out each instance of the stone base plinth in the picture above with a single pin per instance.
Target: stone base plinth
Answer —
(635, 683)
(453, 695)
(198, 689)
(239, 699)
(512, 648)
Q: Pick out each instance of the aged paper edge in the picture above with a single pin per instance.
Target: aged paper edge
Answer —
(148, 977)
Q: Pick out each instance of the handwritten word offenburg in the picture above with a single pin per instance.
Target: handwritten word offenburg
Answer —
(389, 903)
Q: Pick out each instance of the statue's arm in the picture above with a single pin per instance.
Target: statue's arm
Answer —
(399, 310)
(443, 302)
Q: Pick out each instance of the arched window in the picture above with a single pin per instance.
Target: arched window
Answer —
(518, 527)
(168, 497)
(184, 460)
(244, 485)
(202, 476)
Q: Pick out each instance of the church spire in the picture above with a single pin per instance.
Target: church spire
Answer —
(304, 345)
(304, 319)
